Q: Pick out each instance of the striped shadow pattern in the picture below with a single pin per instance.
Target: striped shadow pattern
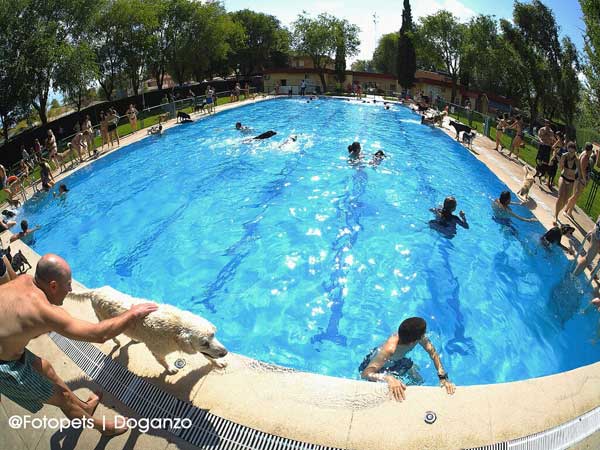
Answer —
(558, 438)
(207, 431)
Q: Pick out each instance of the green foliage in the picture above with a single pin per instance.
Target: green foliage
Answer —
(77, 72)
(385, 55)
(13, 90)
(265, 42)
(323, 37)
(588, 109)
(534, 42)
(443, 37)
(363, 65)
(406, 59)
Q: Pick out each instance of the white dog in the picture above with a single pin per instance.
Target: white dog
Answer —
(528, 181)
(167, 330)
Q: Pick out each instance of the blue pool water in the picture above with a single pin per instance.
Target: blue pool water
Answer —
(303, 260)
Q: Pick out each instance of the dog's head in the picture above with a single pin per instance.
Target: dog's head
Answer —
(200, 338)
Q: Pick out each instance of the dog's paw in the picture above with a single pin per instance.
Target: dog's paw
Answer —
(172, 370)
(219, 364)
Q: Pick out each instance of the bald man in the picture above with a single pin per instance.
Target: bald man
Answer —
(30, 307)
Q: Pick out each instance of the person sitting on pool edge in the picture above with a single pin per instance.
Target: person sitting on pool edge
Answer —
(554, 235)
(445, 222)
(389, 361)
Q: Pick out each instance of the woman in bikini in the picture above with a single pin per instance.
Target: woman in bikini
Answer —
(502, 124)
(587, 161)
(132, 116)
(88, 134)
(52, 148)
(104, 130)
(515, 147)
(569, 166)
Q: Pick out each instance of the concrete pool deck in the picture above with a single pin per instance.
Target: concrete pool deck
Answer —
(323, 410)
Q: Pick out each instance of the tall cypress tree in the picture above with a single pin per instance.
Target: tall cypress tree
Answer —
(406, 57)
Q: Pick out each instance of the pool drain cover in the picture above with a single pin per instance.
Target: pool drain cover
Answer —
(430, 417)
(180, 363)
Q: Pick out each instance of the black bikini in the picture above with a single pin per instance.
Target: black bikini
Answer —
(570, 168)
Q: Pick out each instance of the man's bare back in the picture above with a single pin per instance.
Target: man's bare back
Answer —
(30, 307)
(22, 309)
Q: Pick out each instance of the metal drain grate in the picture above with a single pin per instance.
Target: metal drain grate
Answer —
(557, 438)
(149, 401)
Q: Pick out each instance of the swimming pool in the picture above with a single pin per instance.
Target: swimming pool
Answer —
(303, 260)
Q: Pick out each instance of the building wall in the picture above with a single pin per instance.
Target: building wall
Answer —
(293, 80)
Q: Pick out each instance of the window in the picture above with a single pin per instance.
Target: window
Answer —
(283, 82)
(301, 63)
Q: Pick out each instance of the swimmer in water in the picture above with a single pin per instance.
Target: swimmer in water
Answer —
(445, 221)
(384, 364)
(378, 157)
(292, 138)
(62, 190)
(502, 210)
(240, 127)
(354, 152)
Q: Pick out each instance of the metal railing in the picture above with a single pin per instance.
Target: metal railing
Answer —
(145, 118)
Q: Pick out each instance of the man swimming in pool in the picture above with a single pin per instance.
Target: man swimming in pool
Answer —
(242, 128)
(389, 361)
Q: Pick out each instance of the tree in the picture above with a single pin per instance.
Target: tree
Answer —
(13, 88)
(106, 47)
(363, 65)
(536, 49)
(52, 27)
(346, 44)
(216, 35)
(569, 87)
(264, 40)
(319, 39)
(591, 68)
(480, 54)
(406, 59)
(385, 54)
(135, 22)
(77, 71)
(444, 35)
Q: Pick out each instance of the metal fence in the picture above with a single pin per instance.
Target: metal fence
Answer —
(145, 118)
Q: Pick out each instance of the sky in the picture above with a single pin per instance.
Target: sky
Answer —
(388, 14)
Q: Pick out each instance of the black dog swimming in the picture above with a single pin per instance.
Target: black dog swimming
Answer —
(460, 127)
(183, 117)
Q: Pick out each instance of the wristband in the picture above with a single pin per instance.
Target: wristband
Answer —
(443, 377)
(380, 377)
